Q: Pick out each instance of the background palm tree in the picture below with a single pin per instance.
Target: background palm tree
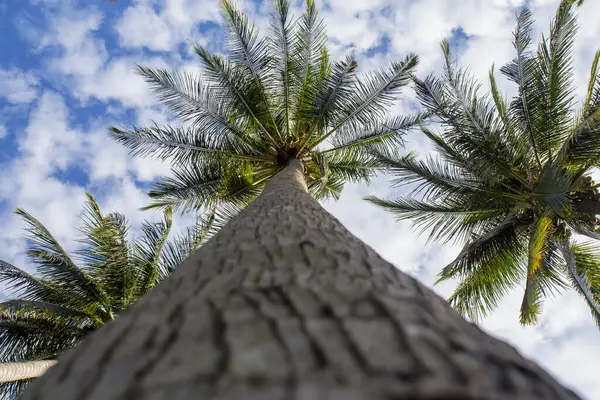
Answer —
(273, 99)
(63, 301)
(513, 181)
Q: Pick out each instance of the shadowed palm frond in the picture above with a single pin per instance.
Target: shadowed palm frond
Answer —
(11, 390)
(38, 337)
(183, 145)
(13, 307)
(54, 264)
(445, 221)
(375, 136)
(503, 238)
(583, 266)
(105, 254)
(371, 97)
(28, 287)
(194, 101)
(194, 186)
(147, 252)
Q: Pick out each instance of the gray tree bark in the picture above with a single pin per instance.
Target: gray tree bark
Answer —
(285, 303)
(18, 371)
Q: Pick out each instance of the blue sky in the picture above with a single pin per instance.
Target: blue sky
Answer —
(66, 75)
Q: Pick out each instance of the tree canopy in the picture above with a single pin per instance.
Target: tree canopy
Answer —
(268, 99)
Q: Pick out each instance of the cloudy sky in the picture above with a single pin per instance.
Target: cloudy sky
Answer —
(66, 75)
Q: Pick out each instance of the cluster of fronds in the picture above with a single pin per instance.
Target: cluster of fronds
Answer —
(511, 179)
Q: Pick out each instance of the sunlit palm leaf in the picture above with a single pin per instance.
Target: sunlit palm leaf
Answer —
(480, 291)
(537, 252)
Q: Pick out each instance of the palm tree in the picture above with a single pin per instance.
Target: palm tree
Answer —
(513, 181)
(272, 100)
(283, 302)
(56, 307)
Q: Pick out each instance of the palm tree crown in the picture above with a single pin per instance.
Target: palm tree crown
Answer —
(62, 302)
(512, 180)
(269, 100)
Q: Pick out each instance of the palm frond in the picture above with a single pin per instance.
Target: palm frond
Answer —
(194, 186)
(499, 100)
(195, 101)
(555, 80)
(53, 262)
(147, 253)
(352, 166)
(434, 178)
(28, 287)
(246, 48)
(183, 145)
(37, 337)
(235, 87)
(105, 254)
(472, 137)
(312, 63)
(284, 60)
(13, 307)
(481, 289)
(447, 221)
(582, 146)
(592, 98)
(243, 43)
(177, 250)
(522, 70)
(379, 135)
(583, 266)
(372, 96)
(505, 238)
(335, 91)
(538, 249)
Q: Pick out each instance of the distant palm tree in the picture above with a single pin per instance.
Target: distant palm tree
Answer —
(273, 100)
(62, 302)
(512, 180)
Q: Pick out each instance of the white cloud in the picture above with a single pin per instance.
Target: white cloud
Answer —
(3, 132)
(17, 86)
(143, 26)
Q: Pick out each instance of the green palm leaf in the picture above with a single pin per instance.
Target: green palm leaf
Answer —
(147, 253)
(538, 249)
(54, 264)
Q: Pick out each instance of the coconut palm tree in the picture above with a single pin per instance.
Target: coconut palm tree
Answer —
(272, 100)
(283, 302)
(54, 308)
(512, 180)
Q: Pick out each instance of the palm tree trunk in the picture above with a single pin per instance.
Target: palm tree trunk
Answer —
(18, 371)
(285, 303)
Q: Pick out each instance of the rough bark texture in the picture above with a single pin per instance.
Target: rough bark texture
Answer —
(285, 303)
(18, 371)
